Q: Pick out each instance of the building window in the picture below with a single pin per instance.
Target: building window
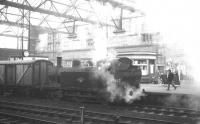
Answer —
(144, 67)
(142, 63)
(136, 62)
(144, 70)
(67, 63)
(147, 37)
(151, 61)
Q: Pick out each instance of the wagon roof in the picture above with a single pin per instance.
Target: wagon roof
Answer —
(21, 61)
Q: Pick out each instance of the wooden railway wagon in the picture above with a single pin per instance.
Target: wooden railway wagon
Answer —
(25, 76)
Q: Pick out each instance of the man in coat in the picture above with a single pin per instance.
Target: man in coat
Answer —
(170, 77)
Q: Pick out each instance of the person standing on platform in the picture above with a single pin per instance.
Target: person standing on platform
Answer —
(177, 79)
(170, 77)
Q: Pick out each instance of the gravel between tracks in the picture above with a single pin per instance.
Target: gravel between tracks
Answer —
(76, 105)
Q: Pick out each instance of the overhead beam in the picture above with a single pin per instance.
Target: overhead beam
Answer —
(47, 20)
(34, 26)
(39, 10)
(18, 15)
(71, 5)
(25, 38)
(118, 4)
(11, 35)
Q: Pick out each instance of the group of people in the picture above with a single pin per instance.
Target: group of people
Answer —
(169, 78)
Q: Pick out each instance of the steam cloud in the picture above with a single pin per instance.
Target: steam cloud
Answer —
(117, 89)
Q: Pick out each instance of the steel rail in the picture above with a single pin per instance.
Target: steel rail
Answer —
(99, 116)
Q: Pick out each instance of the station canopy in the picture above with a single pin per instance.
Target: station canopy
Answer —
(17, 16)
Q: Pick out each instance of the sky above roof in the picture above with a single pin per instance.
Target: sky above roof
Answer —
(178, 23)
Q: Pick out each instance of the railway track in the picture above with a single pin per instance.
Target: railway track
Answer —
(136, 115)
(7, 117)
(161, 110)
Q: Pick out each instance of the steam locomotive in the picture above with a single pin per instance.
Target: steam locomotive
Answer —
(110, 80)
(40, 78)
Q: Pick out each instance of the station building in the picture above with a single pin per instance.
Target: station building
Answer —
(142, 46)
(146, 53)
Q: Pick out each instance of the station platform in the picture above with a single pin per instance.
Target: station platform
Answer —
(186, 95)
(185, 87)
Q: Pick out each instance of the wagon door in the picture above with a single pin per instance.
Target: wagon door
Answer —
(43, 73)
(40, 73)
(36, 74)
(23, 74)
(10, 74)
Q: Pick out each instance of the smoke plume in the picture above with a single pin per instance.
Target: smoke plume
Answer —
(117, 89)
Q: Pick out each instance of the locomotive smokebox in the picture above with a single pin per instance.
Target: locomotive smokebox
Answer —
(124, 63)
